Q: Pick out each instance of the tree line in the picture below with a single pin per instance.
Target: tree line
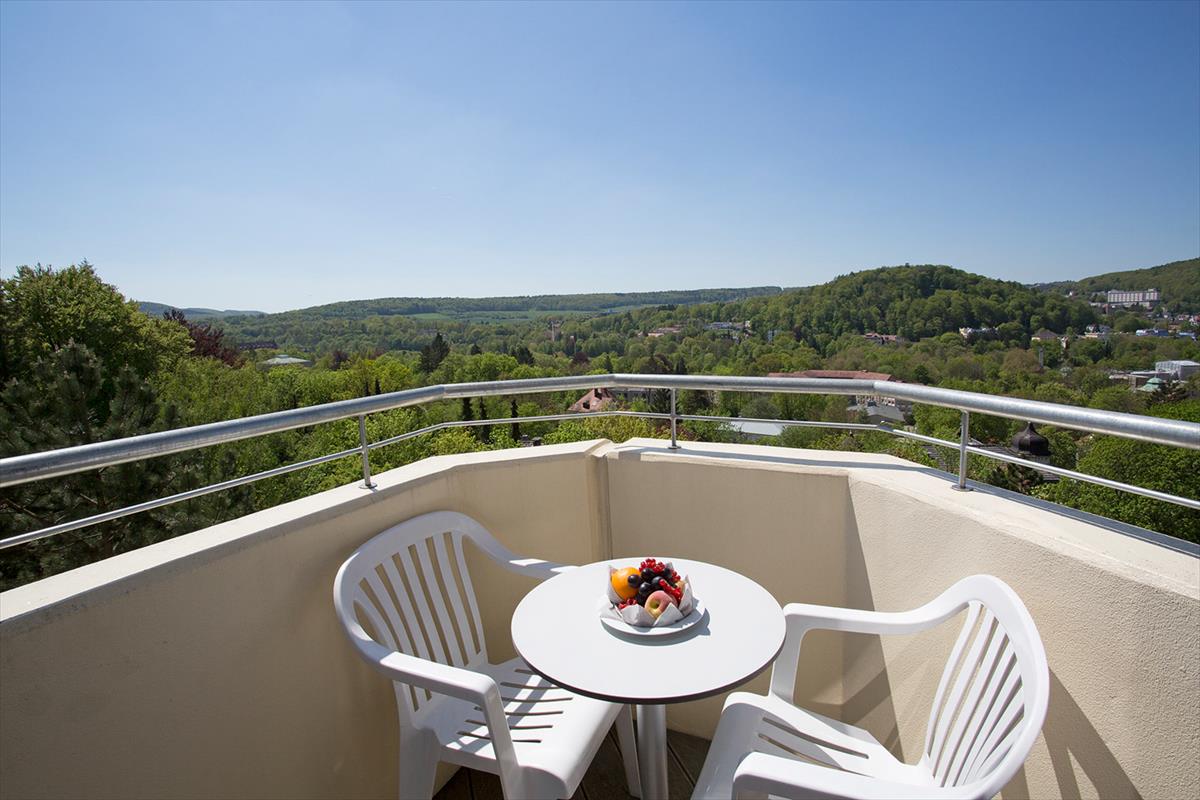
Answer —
(79, 363)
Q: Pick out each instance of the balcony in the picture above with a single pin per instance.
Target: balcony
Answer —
(212, 665)
(136, 675)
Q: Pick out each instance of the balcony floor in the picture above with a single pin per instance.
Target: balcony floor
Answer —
(604, 779)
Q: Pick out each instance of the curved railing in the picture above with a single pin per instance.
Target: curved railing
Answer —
(69, 460)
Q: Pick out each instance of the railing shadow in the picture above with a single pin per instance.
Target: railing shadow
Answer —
(698, 448)
(1115, 526)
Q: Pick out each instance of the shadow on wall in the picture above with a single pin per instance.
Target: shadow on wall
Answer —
(866, 689)
(1071, 739)
(868, 702)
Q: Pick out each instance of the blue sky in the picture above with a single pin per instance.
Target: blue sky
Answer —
(277, 156)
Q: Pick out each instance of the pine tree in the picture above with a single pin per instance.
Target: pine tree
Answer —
(433, 354)
(69, 400)
(481, 432)
(523, 355)
(516, 426)
(468, 413)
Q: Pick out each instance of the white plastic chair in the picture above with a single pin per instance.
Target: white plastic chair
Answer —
(987, 712)
(411, 587)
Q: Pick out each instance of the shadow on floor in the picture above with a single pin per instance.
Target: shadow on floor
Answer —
(605, 778)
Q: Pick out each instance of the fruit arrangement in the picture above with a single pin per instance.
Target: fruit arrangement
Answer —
(650, 594)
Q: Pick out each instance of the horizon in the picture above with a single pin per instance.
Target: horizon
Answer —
(782, 289)
(277, 157)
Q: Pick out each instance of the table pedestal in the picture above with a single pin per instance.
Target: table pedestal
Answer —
(652, 751)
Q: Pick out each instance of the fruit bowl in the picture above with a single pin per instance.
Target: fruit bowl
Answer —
(649, 599)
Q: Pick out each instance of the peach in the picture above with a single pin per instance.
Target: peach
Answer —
(657, 603)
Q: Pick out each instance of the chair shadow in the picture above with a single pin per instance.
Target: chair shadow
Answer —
(873, 698)
(1070, 737)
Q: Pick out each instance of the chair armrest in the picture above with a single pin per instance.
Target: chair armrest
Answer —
(534, 567)
(802, 618)
(457, 682)
(785, 777)
(462, 684)
(853, 620)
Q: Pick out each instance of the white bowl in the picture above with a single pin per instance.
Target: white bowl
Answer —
(621, 626)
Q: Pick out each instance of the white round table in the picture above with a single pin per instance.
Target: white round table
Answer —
(557, 630)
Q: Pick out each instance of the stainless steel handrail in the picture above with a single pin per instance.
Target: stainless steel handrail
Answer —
(69, 460)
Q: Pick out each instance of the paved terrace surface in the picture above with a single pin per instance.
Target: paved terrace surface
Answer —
(605, 778)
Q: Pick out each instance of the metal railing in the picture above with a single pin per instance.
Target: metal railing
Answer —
(56, 463)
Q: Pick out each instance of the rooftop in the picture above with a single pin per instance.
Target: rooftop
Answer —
(284, 360)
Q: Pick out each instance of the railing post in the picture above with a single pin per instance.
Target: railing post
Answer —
(674, 422)
(963, 438)
(366, 451)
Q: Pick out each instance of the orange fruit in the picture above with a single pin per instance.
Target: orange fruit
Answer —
(621, 584)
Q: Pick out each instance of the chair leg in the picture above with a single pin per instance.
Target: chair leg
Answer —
(418, 766)
(629, 750)
(730, 744)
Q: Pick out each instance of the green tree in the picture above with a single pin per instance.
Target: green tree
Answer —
(433, 354)
(45, 310)
(68, 400)
(482, 432)
(523, 355)
(1168, 469)
(207, 341)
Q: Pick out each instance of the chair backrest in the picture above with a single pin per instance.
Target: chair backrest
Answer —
(992, 697)
(410, 590)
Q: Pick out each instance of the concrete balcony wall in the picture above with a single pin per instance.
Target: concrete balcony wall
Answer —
(1120, 617)
(212, 665)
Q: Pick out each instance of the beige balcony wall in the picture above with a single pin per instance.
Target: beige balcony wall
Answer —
(212, 666)
(1120, 617)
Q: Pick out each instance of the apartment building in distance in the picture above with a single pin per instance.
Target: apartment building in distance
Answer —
(1123, 297)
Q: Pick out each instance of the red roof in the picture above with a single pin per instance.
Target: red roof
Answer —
(594, 400)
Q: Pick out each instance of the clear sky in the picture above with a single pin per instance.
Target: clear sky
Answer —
(276, 156)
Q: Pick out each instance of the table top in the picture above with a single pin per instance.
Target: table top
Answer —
(557, 630)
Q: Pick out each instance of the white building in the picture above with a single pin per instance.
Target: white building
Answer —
(1125, 297)
(1177, 370)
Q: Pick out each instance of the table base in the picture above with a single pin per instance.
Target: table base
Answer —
(652, 751)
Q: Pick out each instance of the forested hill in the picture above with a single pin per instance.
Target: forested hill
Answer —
(157, 310)
(913, 301)
(916, 302)
(1178, 281)
(483, 308)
